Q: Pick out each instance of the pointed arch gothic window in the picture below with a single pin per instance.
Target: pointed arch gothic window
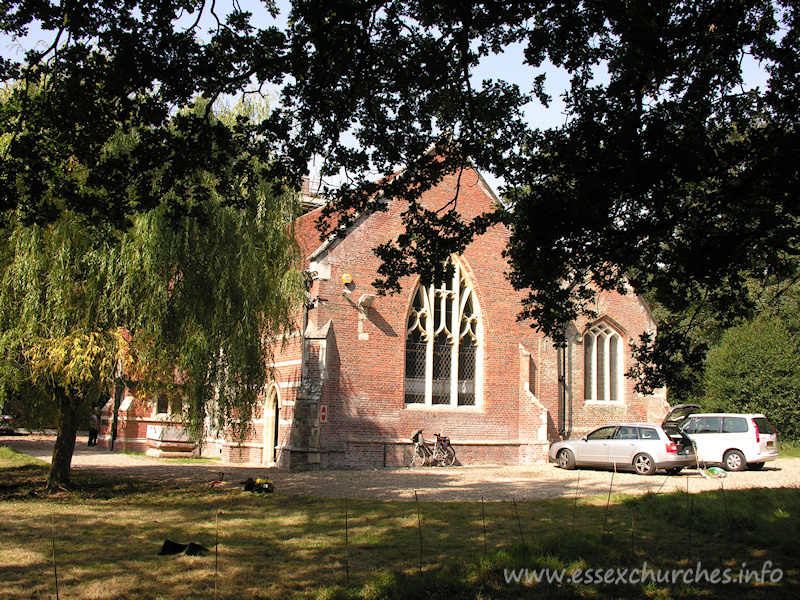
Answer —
(603, 364)
(443, 344)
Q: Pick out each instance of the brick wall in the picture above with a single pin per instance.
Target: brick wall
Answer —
(367, 420)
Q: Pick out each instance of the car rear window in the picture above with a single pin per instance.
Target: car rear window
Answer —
(764, 426)
(626, 433)
(735, 425)
(648, 433)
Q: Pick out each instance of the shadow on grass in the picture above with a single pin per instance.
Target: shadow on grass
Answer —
(107, 532)
(24, 478)
(574, 565)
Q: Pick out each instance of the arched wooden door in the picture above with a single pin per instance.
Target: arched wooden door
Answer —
(270, 426)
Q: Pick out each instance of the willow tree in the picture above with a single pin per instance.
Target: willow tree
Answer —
(126, 214)
(57, 329)
(192, 297)
(207, 295)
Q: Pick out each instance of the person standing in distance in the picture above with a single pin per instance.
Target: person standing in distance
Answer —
(94, 427)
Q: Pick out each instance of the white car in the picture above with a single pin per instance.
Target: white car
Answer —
(7, 424)
(736, 441)
(643, 447)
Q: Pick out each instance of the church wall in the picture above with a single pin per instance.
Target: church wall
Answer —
(340, 380)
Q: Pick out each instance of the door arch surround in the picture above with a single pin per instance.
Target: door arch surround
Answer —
(271, 420)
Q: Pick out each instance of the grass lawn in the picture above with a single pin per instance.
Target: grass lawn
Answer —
(789, 449)
(106, 535)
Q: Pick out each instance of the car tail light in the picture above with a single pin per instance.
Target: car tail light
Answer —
(755, 426)
(672, 448)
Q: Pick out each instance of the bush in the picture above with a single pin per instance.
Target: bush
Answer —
(756, 368)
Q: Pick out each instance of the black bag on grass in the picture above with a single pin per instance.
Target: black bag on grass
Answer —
(169, 548)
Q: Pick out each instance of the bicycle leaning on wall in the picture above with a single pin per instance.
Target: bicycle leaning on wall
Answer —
(421, 452)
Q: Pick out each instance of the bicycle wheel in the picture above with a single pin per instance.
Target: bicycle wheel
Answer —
(408, 455)
(450, 457)
(413, 456)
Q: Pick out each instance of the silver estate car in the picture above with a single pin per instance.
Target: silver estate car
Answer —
(643, 447)
(736, 441)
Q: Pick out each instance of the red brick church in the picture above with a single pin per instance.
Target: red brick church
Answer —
(366, 371)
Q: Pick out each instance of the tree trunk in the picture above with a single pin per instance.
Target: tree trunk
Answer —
(69, 409)
(119, 389)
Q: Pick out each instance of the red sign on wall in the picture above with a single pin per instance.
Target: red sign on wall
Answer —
(323, 414)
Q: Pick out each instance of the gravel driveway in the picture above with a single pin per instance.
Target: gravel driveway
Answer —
(431, 483)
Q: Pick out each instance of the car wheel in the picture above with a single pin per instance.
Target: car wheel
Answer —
(566, 460)
(755, 466)
(674, 471)
(643, 464)
(734, 461)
